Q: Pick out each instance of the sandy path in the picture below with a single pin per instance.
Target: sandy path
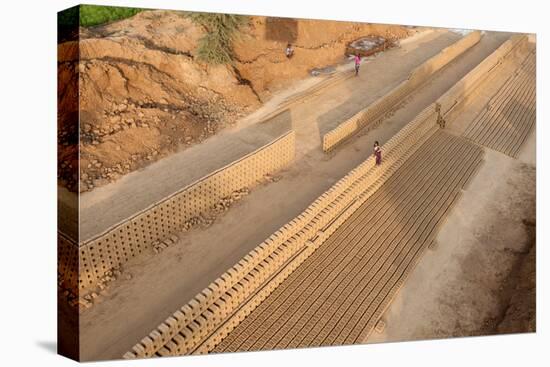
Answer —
(107, 205)
(136, 306)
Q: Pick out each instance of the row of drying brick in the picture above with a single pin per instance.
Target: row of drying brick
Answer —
(203, 322)
(359, 195)
(336, 256)
(462, 90)
(510, 114)
(67, 261)
(289, 246)
(158, 222)
(308, 94)
(383, 105)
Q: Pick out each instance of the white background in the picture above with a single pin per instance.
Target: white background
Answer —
(28, 180)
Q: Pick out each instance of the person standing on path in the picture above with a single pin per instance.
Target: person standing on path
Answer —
(377, 153)
(357, 64)
(289, 52)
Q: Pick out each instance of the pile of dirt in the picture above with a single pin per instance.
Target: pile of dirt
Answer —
(518, 293)
(144, 95)
(520, 315)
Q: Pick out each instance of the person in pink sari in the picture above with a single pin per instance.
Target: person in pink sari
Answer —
(377, 153)
(357, 63)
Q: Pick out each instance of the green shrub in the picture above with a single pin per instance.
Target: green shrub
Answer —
(216, 46)
(68, 17)
(91, 15)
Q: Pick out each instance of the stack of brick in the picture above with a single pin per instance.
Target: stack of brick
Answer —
(160, 221)
(378, 109)
(204, 321)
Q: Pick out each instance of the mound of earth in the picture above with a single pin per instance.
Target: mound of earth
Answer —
(518, 293)
(520, 314)
(143, 94)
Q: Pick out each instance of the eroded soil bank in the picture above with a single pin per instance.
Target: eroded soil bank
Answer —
(143, 94)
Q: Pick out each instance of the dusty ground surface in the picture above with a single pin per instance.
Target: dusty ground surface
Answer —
(133, 307)
(479, 279)
(144, 95)
(519, 296)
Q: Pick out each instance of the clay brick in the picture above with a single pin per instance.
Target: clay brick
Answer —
(226, 278)
(172, 323)
(148, 344)
(201, 299)
(207, 292)
(139, 351)
(195, 306)
(186, 310)
(129, 355)
(157, 338)
(164, 328)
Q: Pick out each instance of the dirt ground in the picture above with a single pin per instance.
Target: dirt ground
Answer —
(132, 307)
(143, 95)
(519, 295)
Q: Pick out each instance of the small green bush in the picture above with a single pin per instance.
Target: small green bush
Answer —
(216, 46)
(91, 15)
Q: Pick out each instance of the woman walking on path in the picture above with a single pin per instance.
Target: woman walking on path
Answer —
(377, 153)
(357, 63)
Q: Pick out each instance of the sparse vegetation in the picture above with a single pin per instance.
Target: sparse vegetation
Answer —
(91, 15)
(216, 47)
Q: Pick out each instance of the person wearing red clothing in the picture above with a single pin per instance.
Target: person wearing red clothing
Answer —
(357, 64)
(377, 153)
